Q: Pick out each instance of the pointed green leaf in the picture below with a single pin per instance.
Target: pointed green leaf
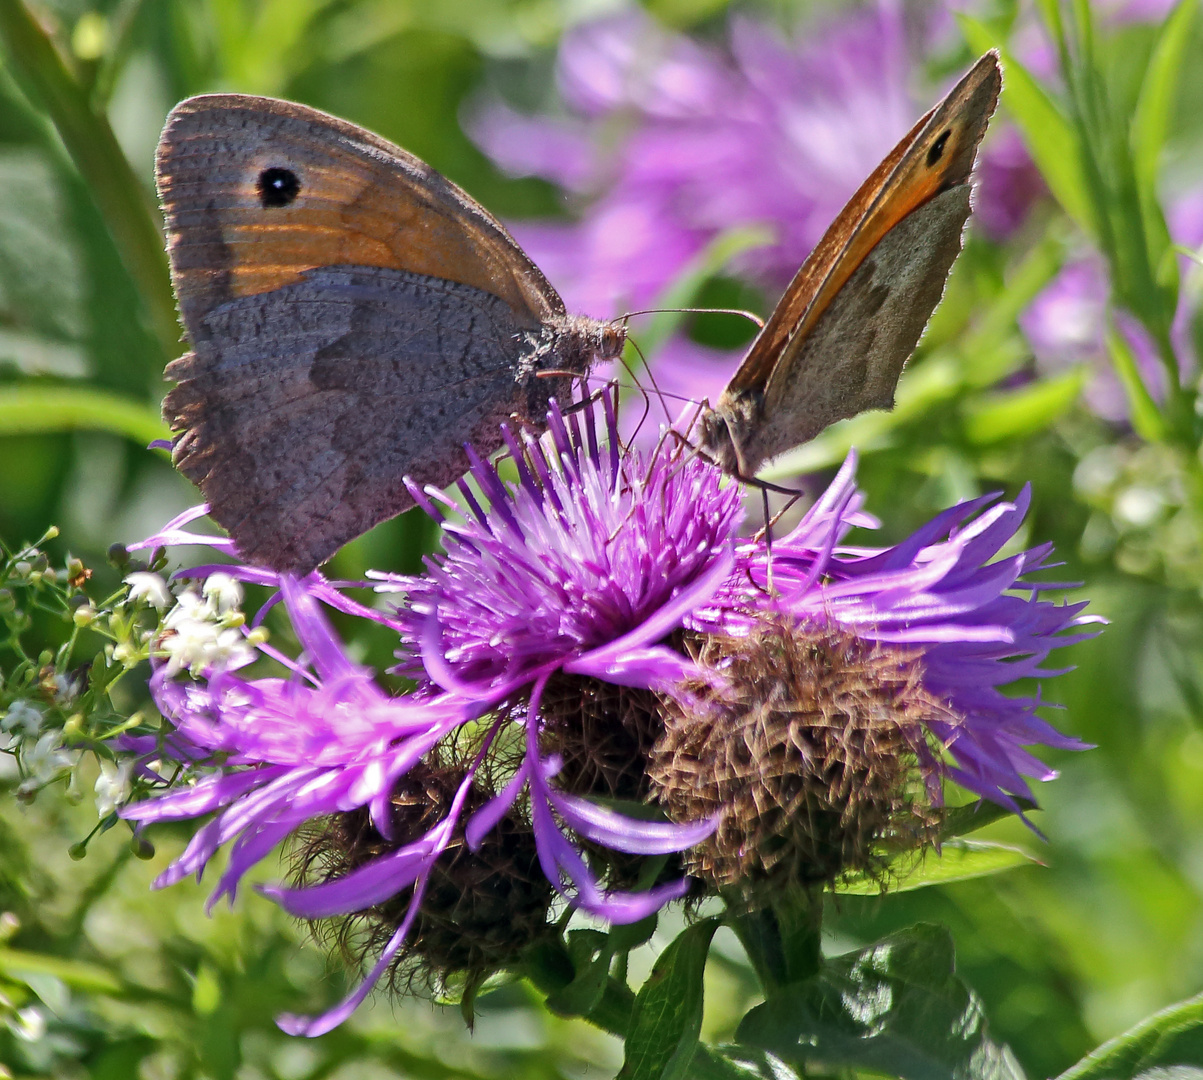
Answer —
(1144, 412)
(591, 953)
(1172, 1037)
(1155, 107)
(1016, 414)
(667, 1017)
(958, 860)
(1050, 138)
(977, 815)
(896, 1007)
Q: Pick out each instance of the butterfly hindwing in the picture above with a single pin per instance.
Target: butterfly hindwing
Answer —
(304, 407)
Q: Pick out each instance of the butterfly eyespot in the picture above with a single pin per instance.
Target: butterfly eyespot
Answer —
(278, 187)
(937, 148)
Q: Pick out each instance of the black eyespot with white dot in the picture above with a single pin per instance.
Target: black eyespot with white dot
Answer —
(278, 187)
(937, 148)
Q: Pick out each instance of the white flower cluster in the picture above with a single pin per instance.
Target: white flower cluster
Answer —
(204, 630)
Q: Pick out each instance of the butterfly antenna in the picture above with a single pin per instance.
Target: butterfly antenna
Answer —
(650, 377)
(647, 401)
(751, 316)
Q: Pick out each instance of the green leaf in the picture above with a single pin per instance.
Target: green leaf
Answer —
(631, 935)
(728, 1062)
(667, 1016)
(958, 860)
(976, 815)
(896, 1007)
(1016, 414)
(27, 409)
(77, 974)
(1144, 412)
(591, 953)
(1173, 1036)
(1154, 111)
(1050, 138)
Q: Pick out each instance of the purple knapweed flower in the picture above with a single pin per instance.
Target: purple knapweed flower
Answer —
(977, 621)
(585, 566)
(583, 571)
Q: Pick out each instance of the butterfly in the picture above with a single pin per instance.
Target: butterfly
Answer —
(355, 318)
(837, 341)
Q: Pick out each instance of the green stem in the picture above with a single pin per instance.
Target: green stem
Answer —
(783, 942)
(760, 936)
(124, 204)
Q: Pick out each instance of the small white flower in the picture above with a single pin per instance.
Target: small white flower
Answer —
(22, 718)
(189, 607)
(151, 587)
(187, 646)
(200, 646)
(31, 1024)
(204, 633)
(47, 759)
(112, 786)
(223, 592)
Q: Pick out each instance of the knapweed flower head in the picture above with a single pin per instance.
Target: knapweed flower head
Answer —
(588, 601)
(975, 619)
(807, 754)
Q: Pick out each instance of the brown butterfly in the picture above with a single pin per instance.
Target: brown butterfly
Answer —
(837, 341)
(356, 318)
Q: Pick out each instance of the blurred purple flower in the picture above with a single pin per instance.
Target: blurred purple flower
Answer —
(1067, 322)
(1009, 184)
(772, 131)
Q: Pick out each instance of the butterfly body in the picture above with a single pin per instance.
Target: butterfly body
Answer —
(837, 341)
(354, 319)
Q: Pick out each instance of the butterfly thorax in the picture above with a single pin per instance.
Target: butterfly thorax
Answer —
(726, 429)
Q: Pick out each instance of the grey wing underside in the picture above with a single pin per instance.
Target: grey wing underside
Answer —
(302, 409)
(852, 359)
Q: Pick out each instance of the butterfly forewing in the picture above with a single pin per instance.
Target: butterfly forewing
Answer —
(836, 343)
(354, 318)
(257, 191)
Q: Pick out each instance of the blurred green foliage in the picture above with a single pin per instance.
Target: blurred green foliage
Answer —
(100, 977)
